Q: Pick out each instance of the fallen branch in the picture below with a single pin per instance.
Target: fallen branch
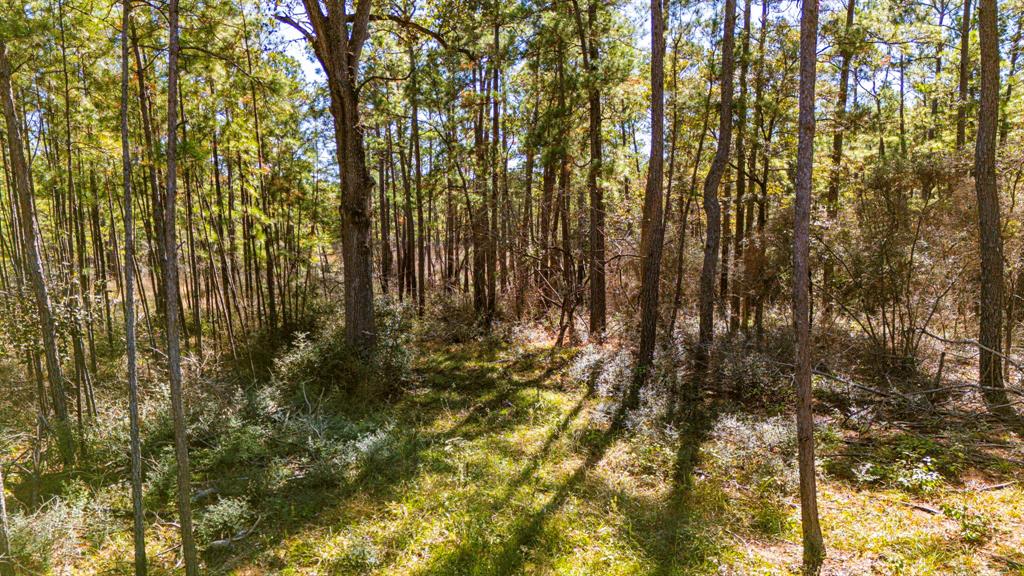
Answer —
(922, 508)
(991, 488)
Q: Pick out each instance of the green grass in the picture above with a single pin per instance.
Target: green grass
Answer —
(497, 463)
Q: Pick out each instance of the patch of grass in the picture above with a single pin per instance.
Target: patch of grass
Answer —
(498, 459)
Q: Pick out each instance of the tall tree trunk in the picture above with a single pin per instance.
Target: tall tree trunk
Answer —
(156, 198)
(33, 259)
(965, 72)
(652, 233)
(990, 375)
(753, 260)
(135, 448)
(712, 209)
(684, 211)
(588, 37)
(338, 49)
(832, 196)
(738, 280)
(814, 548)
(172, 311)
(414, 136)
(1004, 124)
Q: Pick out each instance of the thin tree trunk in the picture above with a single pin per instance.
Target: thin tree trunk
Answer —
(33, 259)
(171, 287)
(832, 196)
(135, 446)
(6, 565)
(684, 213)
(965, 64)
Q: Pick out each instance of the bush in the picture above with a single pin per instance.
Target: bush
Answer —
(910, 463)
(47, 539)
(225, 518)
(323, 362)
(451, 319)
(751, 374)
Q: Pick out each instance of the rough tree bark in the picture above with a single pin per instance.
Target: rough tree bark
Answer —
(712, 209)
(139, 527)
(814, 548)
(990, 375)
(172, 311)
(338, 47)
(652, 233)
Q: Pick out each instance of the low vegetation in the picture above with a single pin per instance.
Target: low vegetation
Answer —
(496, 456)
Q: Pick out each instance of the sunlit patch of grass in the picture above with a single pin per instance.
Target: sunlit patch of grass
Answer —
(498, 463)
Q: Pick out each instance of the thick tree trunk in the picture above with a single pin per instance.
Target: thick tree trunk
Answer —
(652, 233)
(712, 209)
(814, 548)
(990, 375)
(338, 48)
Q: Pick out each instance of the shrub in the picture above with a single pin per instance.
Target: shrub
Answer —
(323, 362)
(751, 374)
(451, 319)
(913, 464)
(225, 518)
(46, 539)
(975, 528)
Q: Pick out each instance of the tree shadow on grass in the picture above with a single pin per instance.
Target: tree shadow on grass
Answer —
(452, 381)
(675, 548)
(666, 525)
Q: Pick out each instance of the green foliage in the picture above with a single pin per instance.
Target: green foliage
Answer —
(907, 462)
(975, 527)
(225, 518)
(451, 319)
(322, 363)
(48, 537)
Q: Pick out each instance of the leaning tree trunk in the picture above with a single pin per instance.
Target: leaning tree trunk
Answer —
(814, 548)
(33, 259)
(711, 205)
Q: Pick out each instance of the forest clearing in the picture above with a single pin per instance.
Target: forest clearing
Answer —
(333, 287)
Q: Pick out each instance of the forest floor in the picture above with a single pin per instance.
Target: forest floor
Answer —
(500, 459)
